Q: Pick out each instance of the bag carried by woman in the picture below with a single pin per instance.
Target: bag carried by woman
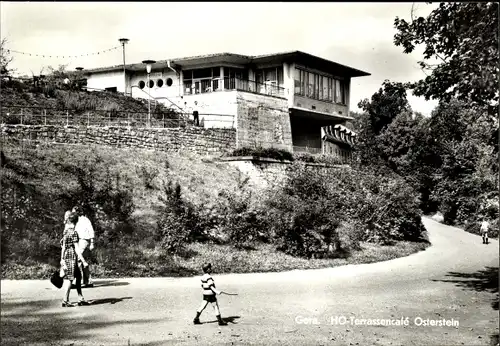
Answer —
(57, 278)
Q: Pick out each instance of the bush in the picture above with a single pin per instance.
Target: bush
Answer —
(242, 224)
(178, 223)
(475, 228)
(320, 213)
(147, 175)
(107, 200)
(271, 153)
(302, 216)
(28, 220)
(318, 158)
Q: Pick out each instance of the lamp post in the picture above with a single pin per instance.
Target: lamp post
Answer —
(148, 70)
(124, 41)
(78, 77)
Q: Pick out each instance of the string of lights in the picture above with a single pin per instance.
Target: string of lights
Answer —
(62, 56)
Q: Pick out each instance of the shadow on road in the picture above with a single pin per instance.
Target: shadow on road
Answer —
(103, 283)
(485, 280)
(107, 300)
(230, 319)
(46, 322)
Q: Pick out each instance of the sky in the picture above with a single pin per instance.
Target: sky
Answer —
(358, 35)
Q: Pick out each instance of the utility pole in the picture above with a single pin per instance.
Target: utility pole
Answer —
(124, 41)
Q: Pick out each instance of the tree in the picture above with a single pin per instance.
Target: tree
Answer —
(5, 58)
(463, 38)
(385, 105)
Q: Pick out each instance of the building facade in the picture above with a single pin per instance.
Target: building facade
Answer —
(287, 100)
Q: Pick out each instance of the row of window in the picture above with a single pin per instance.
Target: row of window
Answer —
(334, 150)
(159, 83)
(319, 87)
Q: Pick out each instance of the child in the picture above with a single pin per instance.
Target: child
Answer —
(209, 292)
(484, 231)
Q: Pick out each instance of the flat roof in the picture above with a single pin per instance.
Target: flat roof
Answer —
(231, 58)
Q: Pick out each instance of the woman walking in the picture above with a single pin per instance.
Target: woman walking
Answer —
(70, 253)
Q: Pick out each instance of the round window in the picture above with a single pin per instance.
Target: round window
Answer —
(169, 81)
(151, 83)
(142, 84)
(159, 83)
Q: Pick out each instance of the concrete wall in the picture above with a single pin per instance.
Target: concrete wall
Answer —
(103, 80)
(321, 106)
(216, 109)
(193, 139)
(263, 121)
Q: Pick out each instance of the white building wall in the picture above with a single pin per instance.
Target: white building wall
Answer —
(103, 80)
(160, 93)
(216, 109)
(289, 82)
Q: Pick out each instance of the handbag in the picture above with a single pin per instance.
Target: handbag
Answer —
(57, 278)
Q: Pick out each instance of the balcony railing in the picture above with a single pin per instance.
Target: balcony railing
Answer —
(207, 85)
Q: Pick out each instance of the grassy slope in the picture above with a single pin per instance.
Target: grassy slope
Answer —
(202, 180)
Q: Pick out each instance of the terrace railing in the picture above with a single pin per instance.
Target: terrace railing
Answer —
(18, 115)
(208, 85)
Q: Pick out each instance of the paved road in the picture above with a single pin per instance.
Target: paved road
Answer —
(455, 279)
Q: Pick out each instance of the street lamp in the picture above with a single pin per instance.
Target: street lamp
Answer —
(148, 70)
(124, 41)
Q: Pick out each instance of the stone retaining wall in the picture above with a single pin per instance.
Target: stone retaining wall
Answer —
(194, 139)
(265, 172)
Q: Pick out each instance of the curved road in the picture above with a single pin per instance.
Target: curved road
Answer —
(455, 279)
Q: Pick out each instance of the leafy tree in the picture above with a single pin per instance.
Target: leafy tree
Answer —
(463, 38)
(385, 105)
(5, 58)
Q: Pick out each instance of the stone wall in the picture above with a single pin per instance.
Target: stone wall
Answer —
(194, 139)
(264, 172)
(263, 121)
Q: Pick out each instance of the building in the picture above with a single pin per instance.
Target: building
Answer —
(291, 100)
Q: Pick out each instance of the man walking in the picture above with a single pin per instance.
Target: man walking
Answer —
(484, 231)
(85, 233)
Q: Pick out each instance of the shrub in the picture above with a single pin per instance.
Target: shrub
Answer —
(271, 153)
(475, 228)
(107, 200)
(11, 118)
(304, 157)
(320, 213)
(242, 224)
(390, 210)
(302, 217)
(147, 175)
(318, 158)
(178, 221)
(28, 220)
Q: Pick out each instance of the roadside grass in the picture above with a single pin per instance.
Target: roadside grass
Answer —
(139, 261)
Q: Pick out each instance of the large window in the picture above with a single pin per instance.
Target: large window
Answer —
(271, 75)
(319, 87)
(201, 80)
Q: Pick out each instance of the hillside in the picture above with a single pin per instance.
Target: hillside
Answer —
(17, 95)
(124, 189)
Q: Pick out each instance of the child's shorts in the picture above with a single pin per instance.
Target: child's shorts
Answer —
(210, 298)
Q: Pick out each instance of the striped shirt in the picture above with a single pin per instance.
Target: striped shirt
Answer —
(208, 285)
